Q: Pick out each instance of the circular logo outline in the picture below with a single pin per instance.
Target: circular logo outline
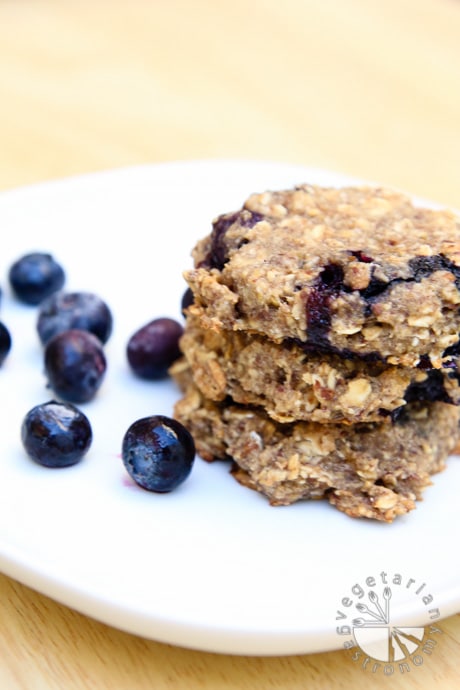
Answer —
(364, 618)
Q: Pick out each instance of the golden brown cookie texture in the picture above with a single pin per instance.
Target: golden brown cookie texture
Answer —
(321, 347)
(357, 270)
(292, 384)
(368, 470)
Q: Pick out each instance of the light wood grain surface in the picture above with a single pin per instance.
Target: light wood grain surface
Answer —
(363, 87)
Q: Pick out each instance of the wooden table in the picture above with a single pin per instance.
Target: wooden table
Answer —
(359, 86)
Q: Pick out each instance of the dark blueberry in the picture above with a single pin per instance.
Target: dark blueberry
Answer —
(318, 316)
(218, 254)
(376, 287)
(324, 346)
(430, 390)
(331, 278)
(158, 453)
(56, 434)
(187, 300)
(453, 350)
(5, 342)
(153, 348)
(35, 276)
(424, 363)
(84, 311)
(362, 256)
(423, 266)
(328, 286)
(75, 365)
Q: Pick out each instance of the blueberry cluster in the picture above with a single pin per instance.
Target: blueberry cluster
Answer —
(73, 328)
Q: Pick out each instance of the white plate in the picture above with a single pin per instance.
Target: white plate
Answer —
(211, 566)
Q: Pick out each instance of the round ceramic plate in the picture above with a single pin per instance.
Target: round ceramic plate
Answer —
(210, 566)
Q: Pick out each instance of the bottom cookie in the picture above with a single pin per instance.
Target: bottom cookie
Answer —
(369, 470)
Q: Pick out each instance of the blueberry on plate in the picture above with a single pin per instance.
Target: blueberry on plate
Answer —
(158, 453)
(5, 342)
(56, 434)
(83, 311)
(75, 365)
(153, 348)
(35, 276)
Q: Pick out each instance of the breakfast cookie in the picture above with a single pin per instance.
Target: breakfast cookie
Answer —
(357, 271)
(291, 384)
(366, 470)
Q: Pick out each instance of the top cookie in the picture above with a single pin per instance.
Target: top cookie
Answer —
(357, 271)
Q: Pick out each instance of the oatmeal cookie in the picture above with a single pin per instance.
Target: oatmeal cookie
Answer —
(357, 271)
(369, 470)
(291, 384)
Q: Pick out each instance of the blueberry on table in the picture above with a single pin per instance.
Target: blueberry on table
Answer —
(153, 348)
(35, 276)
(158, 453)
(5, 342)
(56, 434)
(75, 365)
(84, 311)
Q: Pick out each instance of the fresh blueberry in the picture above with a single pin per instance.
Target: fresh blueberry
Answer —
(158, 453)
(153, 348)
(84, 311)
(56, 434)
(5, 342)
(35, 276)
(75, 365)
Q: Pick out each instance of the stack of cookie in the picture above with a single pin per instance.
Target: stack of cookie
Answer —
(321, 348)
